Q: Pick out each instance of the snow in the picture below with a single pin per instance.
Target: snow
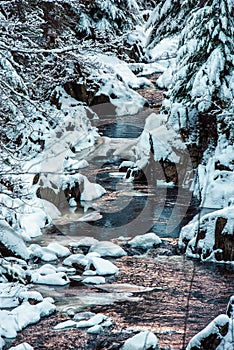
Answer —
(105, 248)
(60, 250)
(146, 241)
(24, 314)
(94, 280)
(65, 325)
(207, 224)
(97, 329)
(213, 328)
(13, 240)
(79, 259)
(143, 340)
(22, 346)
(102, 267)
(93, 321)
(56, 278)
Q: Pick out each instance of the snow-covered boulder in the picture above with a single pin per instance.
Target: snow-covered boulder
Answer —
(13, 269)
(13, 241)
(105, 248)
(59, 250)
(23, 315)
(212, 336)
(146, 241)
(78, 261)
(102, 266)
(53, 278)
(210, 237)
(94, 280)
(143, 340)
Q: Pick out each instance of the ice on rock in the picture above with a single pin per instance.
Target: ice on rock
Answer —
(102, 267)
(143, 340)
(146, 241)
(105, 248)
(94, 280)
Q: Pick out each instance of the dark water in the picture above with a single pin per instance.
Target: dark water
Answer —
(129, 209)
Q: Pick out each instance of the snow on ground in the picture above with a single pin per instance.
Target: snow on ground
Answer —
(146, 241)
(143, 340)
(117, 81)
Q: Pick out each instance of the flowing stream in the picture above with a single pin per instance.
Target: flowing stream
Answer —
(188, 294)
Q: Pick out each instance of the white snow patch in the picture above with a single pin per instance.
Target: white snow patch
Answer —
(148, 240)
(105, 248)
(143, 340)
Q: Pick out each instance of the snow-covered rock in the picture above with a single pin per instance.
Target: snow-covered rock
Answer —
(83, 315)
(76, 260)
(146, 241)
(59, 250)
(93, 321)
(101, 266)
(97, 329)
(94, 280)
(143, 340)
(23, 315)
(210, 237)
(56, 278)
(105, 248)
(212, 335)
(65, 324)
(12, 240)
(22, 346)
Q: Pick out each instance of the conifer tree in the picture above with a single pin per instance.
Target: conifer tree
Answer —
(204, 79)
(168, 19)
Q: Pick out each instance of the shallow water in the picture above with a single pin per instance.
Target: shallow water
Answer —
(187, 295)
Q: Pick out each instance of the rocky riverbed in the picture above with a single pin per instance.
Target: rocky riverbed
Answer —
(184, 296)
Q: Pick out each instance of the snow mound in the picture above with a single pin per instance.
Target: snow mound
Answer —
(105, 248)
(12, 240)
(143, 340)
(101, 266)
(23, 346)
(210, 237)
(146, 241)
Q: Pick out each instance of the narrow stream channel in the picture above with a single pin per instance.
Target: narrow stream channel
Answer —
(188, 294)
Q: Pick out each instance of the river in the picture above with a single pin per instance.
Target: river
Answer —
(187, 295)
